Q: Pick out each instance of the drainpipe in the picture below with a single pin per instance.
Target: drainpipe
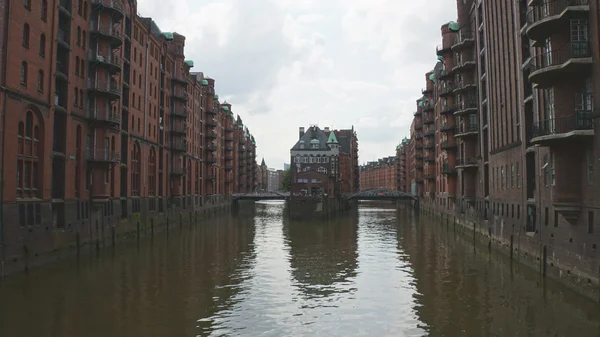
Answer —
(4, 55)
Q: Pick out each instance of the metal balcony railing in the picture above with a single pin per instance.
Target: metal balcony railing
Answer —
(466, 161)
(178, 128)
(470, 127)
(547, 9)
(580, 120)
(104, 116)
(463, 36)
(556, 57)
(448, 144)
(103, 155)
(108, 30)
(106, 86)
(115, 4)
(179, 112)
(448, 88)
(110, 59)
(447, 169)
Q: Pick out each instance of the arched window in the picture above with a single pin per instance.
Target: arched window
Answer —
(44, 11)
(78, 42)
(135, 169)
(77, 65)
(152, 173)
(24, 73)
(28, 159)
(40, 83)
(26, 35)
(42, 45)
(82, 68)
(78, 164)
(85, 10)
(27, 4)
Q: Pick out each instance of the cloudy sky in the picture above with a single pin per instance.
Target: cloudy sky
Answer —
(283, 64)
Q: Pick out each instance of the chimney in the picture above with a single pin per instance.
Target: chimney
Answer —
(301, 132)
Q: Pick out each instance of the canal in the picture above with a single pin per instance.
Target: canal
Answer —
(378, 271)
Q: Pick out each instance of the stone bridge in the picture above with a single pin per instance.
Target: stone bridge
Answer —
(262, 196)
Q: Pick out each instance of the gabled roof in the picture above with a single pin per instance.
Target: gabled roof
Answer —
(317, 136)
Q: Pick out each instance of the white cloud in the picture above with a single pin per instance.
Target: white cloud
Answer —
(283, 64)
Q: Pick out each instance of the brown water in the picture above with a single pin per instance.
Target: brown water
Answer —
(375, 272)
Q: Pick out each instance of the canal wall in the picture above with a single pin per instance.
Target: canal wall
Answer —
(567, 267)
(316, 208)
(100, 232)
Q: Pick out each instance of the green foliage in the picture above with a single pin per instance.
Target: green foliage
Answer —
(286, 180)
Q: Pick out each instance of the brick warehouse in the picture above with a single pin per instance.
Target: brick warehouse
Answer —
(379, 174)
(95, 93)
(504, 133)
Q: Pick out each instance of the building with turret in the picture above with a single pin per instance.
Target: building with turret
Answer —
(315, 164)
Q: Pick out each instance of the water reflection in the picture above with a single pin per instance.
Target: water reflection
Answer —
(466, 292)
(323, 256)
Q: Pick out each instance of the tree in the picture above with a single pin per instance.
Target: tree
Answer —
(286, 180)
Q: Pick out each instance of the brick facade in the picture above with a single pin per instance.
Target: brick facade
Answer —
(105, 123)
(379, 174)
(520, 160)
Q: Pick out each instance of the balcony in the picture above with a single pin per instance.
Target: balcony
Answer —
(445, 74)
(464, 39)
(114, 6)
(228, 158)
(447, 109)
(429, 146)
(418, 124)
(429, 175)
(210, 160)
(466, 162)
(109, 33)
(465, 130)
(553, 66)
(210, 122)
(228, 138)
(447, 89)
(111, 61)
(574, 127)
(464, 86)
(210, 147)
(447, 127)
(179, 129)
(428, 106)
(179, 112)
(442, 49)
(105, 118)
(63, 37)
(212, 111)
(228, 167)
(447, 169)
(180, 95)
(210, 134)
(178, 145)
(466, 108)
(418, 135)
(429, 157)
(464, 66)
(102, 156)
(109, 88)
(429, 132)
(428, 119)
(427, 90)
(417, 113)
(448, 144)
(546, 18)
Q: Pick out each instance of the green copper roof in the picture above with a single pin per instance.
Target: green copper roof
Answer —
(204, 82)
(226, 108)
(217, 97)
(440, 58)
(421, 104)
(301, 141)
(432, 77)
(405, 140)
(332, 139)
(190, 63)
(453, 26)
(168, 35)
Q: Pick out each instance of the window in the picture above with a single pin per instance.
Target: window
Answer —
(40, 84)
(545, 170)
(27, 4)
(135, 169)
(83, 39)
(42, 45)
(44, 10)
(81, 98)
(82, 68)
(28, 138)
(78, 42)
(75, 96)
(77, 65)
(512, 176)
(518, 176)
(24, 73)
(80, 7)
(26, 35)
(85, 10)
(590, 166)
(502, 177)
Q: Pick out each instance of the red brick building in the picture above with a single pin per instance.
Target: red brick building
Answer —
(349, 170)
(504, 134)
(380, 174)
(402, 167)
(105, 121)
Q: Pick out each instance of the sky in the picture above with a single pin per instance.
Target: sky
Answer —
(283, 64)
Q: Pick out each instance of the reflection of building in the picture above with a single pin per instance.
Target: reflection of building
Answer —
(323, 256)
(316, 163)
(379, 174)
